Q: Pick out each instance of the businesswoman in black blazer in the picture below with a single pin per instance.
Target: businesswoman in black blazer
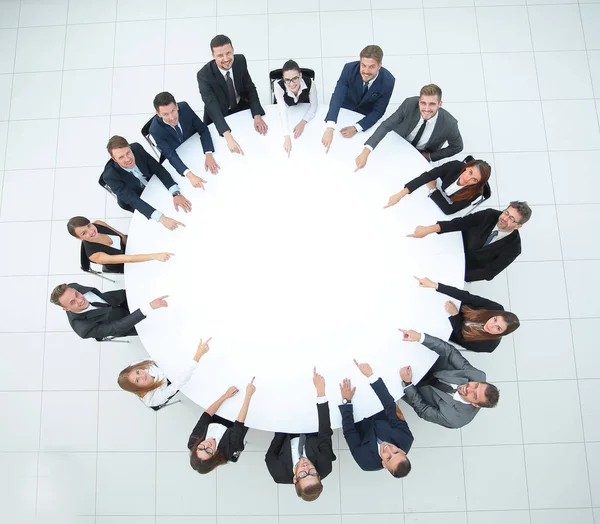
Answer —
(105, 245)
(461, 184)
(480, 324)
(215, 441)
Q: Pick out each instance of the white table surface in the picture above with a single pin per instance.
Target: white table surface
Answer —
(292, 263)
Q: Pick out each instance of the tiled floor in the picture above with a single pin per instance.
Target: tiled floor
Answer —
(520, 75)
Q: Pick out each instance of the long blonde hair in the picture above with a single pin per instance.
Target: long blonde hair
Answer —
(127, 385)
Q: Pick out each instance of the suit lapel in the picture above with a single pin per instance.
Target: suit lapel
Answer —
(437, 129)
(220, 79)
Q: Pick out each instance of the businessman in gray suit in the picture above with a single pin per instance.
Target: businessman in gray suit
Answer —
(452, 392)
(422, 122)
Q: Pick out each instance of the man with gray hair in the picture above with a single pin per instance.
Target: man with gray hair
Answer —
(490, 238)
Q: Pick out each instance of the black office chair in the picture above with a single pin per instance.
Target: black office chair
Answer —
(277, 74)
(86, 265)
(146, 134)
(122, 205)
(485, 195)
(166, 403)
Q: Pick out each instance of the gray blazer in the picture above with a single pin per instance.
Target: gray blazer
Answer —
(405, 119)
(436, 406)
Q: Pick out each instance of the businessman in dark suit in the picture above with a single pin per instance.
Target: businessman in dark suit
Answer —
(422, 122)
(365, 87)
(172, 125)
(453, 391)
(128, 172)
(305, 459)
(491, 238)
(226, 88)
(382, 440)
(93, 314)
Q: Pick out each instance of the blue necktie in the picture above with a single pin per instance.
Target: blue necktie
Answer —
(179, 133)
(490, 239)
(365, 89)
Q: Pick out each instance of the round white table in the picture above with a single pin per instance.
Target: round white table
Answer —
(289, 264)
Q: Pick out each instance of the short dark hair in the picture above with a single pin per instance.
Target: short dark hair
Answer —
(372, 51)
(431, 90)
(58, 292)
(311, 492)
(163, 99)
(116, 142)
(523, 209)
(219, 41)
(492, 395)
(290, 65)
(76, 222)
(402, 468)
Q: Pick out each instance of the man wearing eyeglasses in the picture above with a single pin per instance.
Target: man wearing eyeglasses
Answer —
(491, 238)
(305, 459)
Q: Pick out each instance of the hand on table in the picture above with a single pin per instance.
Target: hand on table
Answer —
(319, 382)
(159, 302)
(210, 164)
(260, 125)
(451, 308)
(394, 199)
(426, 282)
(420, 232)
(406, 374)
(170, 223)
(348, 131)
(346, 389)
(365, 368)
(196, 181)
(299, 129)
(230, 392)
(162, 257)
(327, 138)
(180, 201)
(203, 347)
(361, 160)
(410, 335)
(232, 145)
(250, 388)
(287, 145)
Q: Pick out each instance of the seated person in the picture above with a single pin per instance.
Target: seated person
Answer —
(461, 184)
(480, 324)
(305, 459)
(226, 88)
(93, 314)
(106, 246)
(364, 87)
(382, 440)
(291, 90)
(172, 125)
(452, 392)
(490, 238)
(128, 172)
(422, 122)
(149, 383)
(215, 441)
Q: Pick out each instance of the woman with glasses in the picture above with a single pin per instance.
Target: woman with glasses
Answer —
(480, 323)
(291, 90)
(150, 384)
(460, 184)
(215, 441)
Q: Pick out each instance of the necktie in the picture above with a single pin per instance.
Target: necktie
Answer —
(230, 90)
(301, 442)
(99, 304)
(365, 89)
(490, 239)
(179, 133)
(419, 134)
(442, 386)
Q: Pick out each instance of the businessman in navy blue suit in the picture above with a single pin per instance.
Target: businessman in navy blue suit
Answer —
(172, 125)
(365, 87)
(382, 440)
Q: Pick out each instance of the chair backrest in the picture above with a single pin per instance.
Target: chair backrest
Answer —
(277, 74)
(146, 134)
(104, 185)
(84, 260)
(164, 404)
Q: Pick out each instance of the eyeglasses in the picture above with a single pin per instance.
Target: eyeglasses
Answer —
(206, 450)
(291, 80)
(311, 472)
(511, 218)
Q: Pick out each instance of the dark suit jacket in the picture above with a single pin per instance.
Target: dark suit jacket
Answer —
(114, 321)
(385, 425)
(348, 93)
(405, 119)
(434, 405)
(214, 92)
(167, 138)
(127, 187)
(318, 448)
(449, 173)
(474, 302)
(483, 263)
(232, 441)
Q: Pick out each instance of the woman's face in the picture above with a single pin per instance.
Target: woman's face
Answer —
(495, 326)
(470, 176)
(140, 377)
(86, 232)
(210, 444)
(292, 79)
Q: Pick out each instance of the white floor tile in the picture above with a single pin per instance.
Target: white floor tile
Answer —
(242, 7)
(583, 285)
(390, 518)
(177, 80)
(30, 102)
(441, 38)
(89, 11)
(473, 123)
(9, 13)
(389, 4)
(344, 34)
(21, 413)
(19, 352)
(81, 355)
(447, 3)
(281, 47)
(499, 366)
(499, 517)
(141, 10)
(503, 29)
(506, 136)
(409, 41)
(563, 75)
(282, 6)
(82, 150)
(69, 186)
(140, 43)
(594, 61)
(590, 17)
(540, 237)
(523, 176)
(195, 520)
(3, 135)
(416, 68)
(178, 487)
(116, 494)
(187, 41)
(454, 87)
(575, 245)
(332, 68)
(123, 519)
(259, 72)
(500, 68)
(33, 57)
(593, 457)
(86, 93)
(590, 410)
(134, 88)
(191, 8)
(425, 433)
(6, 82)
(556, 516)
(31, 293)
(8, 46)
(175, 424)
(22, 153)
(90, 46)
(33, 256)
(263, 519)
(584, 343)
(260, 440)
(556, 27)
(435, 518)
(564, 162)
(39, 206)
(253, 45)
(113, 359)
(18, 483)
(43, 12)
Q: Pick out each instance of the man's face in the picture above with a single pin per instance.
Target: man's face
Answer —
(72, 300)
(223, 56)
(509, 220)
(391, 455)
(170, 113)
(124, 157)
(306, 467)
(368, 68)
(473, 392)
(428, 106)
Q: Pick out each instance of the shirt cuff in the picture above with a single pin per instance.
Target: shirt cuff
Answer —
(146, 309)
(156, 215)
(358, 127)
(186, 172)
(208, 152)
(329, 124)
(369, 147)
(174, 188)
(321, 400)
(373, 378)
(422, 339)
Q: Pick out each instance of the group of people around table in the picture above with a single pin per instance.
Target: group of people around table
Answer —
(450, 394)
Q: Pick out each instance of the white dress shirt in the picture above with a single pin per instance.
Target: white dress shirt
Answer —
(282, 106)
(230, 71)
(501, 234)
(426, 133)
(357, 126)
(116, 241)
(296, 455)
(158, 396)
(90, 297)
(452, 188)
(216, 431)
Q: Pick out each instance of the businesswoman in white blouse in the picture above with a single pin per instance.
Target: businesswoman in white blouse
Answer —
(291, 90)
(150, 384)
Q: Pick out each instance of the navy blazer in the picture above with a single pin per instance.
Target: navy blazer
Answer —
(167, 138)
(127, 187)
(348, 93)
(385, 425)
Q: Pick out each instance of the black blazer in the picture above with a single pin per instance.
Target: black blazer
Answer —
(167, 138)
(385, 425)
(114, 321)
(127, 187)
(318, 447)
(232, 441)
(213, 90)
(474, 302)
(483, 263)
(449, 173)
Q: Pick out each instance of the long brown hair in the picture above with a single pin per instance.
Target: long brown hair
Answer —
(469, 192)
(481, 316)
(205, 466)
(124, 383)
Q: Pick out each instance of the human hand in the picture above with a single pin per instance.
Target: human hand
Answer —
(287, 145)
(410, 335)
(327, 138)
(451, 308)
(210, 164)
(180, 201)
(319, 382)
(230, 392)
(162, 257)
(348, 132)
(232, 145)
(299, 129)
(406, 374)
(361, 160)
(426, 282)
(196, 181)
(250, 388)
(365, 369)
(260, 125)
(394, 199)
(346, 389)
(420, 232)
(203, 347)
(159, 302)
(169, 223)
